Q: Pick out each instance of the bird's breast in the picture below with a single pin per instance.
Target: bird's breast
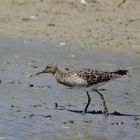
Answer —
(75, 81)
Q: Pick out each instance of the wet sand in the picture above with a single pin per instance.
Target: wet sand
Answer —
(28, 103)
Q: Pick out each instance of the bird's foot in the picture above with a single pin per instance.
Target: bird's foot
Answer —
(106, 113)
(83, 112)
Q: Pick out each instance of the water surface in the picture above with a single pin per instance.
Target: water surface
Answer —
(27, 104)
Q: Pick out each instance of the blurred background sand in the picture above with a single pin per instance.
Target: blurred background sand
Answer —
(106, 23)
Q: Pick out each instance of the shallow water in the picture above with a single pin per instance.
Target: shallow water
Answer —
(27, 104)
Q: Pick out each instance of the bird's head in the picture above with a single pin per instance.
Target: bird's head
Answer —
(51, 68)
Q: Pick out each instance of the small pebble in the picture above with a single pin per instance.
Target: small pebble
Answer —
(118, 123)
(17, 110)
(51, 24)
(136, 118)
(87, 121)
(13, 106)
(25, 19)
(14, 82)
(70, 105)
(34, 66)
(34, 17)
(46, 116)
(31, 85)
(70, 121)
(31, 116)
(29, 76)
(62, 43)
(126, 93)
(36, 105)
(56, 105)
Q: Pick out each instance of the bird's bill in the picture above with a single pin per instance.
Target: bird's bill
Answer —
(39, 73)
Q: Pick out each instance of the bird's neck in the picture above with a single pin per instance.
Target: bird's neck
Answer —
(59, 75)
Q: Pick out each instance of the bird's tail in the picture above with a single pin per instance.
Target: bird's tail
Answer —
(121, 72)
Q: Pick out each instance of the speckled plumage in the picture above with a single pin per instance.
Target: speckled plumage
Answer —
(81, 78)
(84, 78)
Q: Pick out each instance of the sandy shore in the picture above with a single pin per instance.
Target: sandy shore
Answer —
(108, 24)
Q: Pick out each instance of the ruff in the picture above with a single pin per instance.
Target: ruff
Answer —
(84, 78)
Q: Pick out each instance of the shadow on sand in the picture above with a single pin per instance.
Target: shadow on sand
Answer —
(115, 113)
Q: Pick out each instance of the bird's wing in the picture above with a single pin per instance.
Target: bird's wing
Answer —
(93, 76)
(89, 77)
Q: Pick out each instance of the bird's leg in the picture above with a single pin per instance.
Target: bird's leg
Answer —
(89, 99)
(106, 112)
